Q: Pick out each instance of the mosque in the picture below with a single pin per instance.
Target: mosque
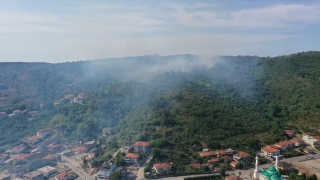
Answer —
(271, 173)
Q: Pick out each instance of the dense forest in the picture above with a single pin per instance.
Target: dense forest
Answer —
(172, 101)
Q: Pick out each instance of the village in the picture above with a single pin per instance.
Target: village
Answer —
(46, 156)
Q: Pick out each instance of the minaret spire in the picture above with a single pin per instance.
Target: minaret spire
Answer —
(256, 170)
(277, 161)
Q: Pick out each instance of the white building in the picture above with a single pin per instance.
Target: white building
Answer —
(269, 151)
(131, 158)
(142, 146)
(44, 132)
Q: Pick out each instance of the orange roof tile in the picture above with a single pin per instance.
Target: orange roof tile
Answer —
(289, 131)
(317, 138)
(270, 149)
(142, 143)
(18, 147)
(32, 138)
(80, 148)
(206, 154)
(63, 175)
(161, 165)
(221, 152)
(52, 146)
(132, 155)
(195, 165)
(283, 143)
(234, 163)
(21, 157)
(44, 130)
(242, 154)
(49, 157)
(213, 160)
(295, 140)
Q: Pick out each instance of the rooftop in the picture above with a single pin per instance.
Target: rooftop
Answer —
(221, 152)
(80, 148)
(63, 175)
(46, 169)
(132, 155)
(33, 173)
(21, 157)
(242, 154)
(206, 154)
(142, 143)
(49, 157)
(270, 149)
(32, 138)
(161, 165)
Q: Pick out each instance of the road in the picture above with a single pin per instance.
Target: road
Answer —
(74, 165)
(140, 172)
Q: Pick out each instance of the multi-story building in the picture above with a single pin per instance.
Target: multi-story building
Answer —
(269, 151)
(132, 158)
(33, 175)
(142, 146)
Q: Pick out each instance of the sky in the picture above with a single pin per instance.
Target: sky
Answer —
(60, 31)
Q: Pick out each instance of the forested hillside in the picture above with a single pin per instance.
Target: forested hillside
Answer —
(173, 101)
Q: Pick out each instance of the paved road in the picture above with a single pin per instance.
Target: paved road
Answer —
(140, 173)
(74, 165)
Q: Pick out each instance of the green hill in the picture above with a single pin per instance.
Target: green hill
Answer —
(173, 101)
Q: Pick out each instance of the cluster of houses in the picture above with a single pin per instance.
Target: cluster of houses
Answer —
(31, 114)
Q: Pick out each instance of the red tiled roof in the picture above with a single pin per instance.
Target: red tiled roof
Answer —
(17, 111)
(206, 154)
(213, 160)
(52, 146)
(18, 147)
(317, 138)
(283, 143)
(3, 113)
(80, 148)
(221, 152)
(270, 149)
(295, 140)
(195, 165)
(234, 163)
(132, 155)
(21, 157)
(242, 154)
(142, 143)
(32, 138)
(63, 175)
(161, 165)
(49, 157)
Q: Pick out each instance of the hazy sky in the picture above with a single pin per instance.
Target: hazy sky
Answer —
(59, 30)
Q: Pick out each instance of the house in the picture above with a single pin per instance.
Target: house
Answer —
(32, 139)
(269, 151)
(48, 171)
(127, 146)
(297, 141)
(229, 151)
(47, 142)
(221, 153)
(4, 177)
(33, 175)
(162, 168)
(241, 157)
(44, 132)
(22, 157)
(131, 158)
(81, 95)
(227, 159)
(290, 133)
(308, 150)
(234, 178)
(197, 166)
(63, 176)
(80, 149)
(81, 156)
(206, 154)
(16, 112)
(3, 115)
(142, 146)
(284, 145)
(53, 147)
(49, 158)
(16, 171)
(90, 144)
(18, 149)
(69, 96)
(213, 160)
(106, 170)
(234, 164)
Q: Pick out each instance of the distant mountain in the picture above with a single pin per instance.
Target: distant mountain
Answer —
(173, 101)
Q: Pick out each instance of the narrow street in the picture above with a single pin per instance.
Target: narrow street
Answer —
(140, 173)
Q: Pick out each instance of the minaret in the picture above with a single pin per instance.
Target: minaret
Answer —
(276, 165)
(256, 170)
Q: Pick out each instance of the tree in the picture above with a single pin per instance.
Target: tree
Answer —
(115, 176)
(84, 161)
(223, 173)
(59, 158)
(313, 177)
